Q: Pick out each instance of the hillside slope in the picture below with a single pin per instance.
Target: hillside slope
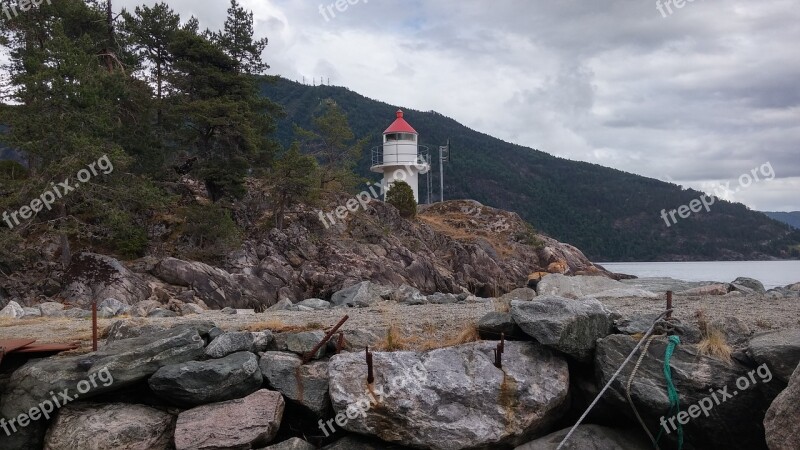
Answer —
(607, 213)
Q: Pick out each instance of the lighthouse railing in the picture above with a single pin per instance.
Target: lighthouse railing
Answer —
(384, 155)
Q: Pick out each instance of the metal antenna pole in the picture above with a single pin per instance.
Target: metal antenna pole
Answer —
(441, 173)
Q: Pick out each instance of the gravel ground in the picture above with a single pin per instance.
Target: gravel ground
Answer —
(437, 323)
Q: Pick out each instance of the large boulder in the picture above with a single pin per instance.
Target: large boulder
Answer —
(12, 311)
(199, 382)
(291, 444)
(591, 437)
(748, 284)
(701, 382)
(361, 294)
(588, 286)
(133, 328)
(305, 384)
(664, 284)
(114, 426)
(569, 326)
(780, 350)
(519, 294)
(782, 422)
(216, 287)
(117, 365)
(300, 343)
(356, 442)
(451, 398)
(494, 325)
(91, 277)
(244, 423)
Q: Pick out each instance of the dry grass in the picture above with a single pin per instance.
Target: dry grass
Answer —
(714, 343)
(501, 305)
(396, 340)
(279, 326)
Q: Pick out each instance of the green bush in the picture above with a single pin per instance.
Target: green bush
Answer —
(401, 196)
(12, 170)
(211, 232)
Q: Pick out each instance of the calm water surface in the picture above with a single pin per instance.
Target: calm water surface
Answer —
(771, 273)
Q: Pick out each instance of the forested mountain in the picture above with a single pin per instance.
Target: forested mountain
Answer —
(607, 213)
(791, 218)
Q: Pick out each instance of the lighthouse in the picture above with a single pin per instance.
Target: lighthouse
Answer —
(401, 157)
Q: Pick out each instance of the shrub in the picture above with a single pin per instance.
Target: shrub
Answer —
(401, 196)
(211, 231)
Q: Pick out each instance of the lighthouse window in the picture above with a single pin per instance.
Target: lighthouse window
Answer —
(392, 137)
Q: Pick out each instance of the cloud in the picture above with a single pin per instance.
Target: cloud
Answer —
(704, 94)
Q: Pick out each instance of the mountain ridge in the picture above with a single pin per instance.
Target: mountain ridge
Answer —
(608, 213)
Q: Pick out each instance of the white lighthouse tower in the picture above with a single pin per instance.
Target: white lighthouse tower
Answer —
(401, 157)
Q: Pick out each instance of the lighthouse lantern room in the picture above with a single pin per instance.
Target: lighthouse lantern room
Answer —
(401, 157)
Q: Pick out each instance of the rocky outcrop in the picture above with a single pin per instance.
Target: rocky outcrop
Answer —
(697, 378)
(199, 382)
(591, 437)
(362, 294)
(782, 422)
(779, 350)
(306, 384)
(569, 326)
(452, 398)
(92, 277)
(215, 286)
(748, 285)
(249, 422)
(115, 426)
(588, 286)
(117, 365)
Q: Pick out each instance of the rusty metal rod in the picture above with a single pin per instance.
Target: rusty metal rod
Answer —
(370, 373)
(307, 357)
(669, 305)
(340, 343)
(498, 357)
(502, 347)
(94, 326)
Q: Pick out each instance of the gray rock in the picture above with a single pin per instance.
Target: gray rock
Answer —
(587, 286)
(51, 309)
(51, 287)
(143, 308)
(569, 326)
(110, 426)
(76, 313)
(696, 377)
(737, 333)
(664, 284)
(291, 444)
(749, 283)
(299, 343)
(117, 365)
(283, 305)
(524, 294)
(591, 437)
(442, 299)
(200, 382)
(362, 294)
(780, 350)
(133, 328)
(239, 341)
(31, 312)
(304, 384)
(362, 443)
(160, 312)
(215, 333)
(243, 423)
(13, 311)
(452, 398)
(188, 309)
(408, 295)
(640, 323)
(91, 276)
(302, 308)
(782, 421)
(315, 304)
(711, 289)
(494, 324)
(112, 307)
(230, 311)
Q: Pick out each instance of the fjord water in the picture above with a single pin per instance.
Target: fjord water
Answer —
(771, 273)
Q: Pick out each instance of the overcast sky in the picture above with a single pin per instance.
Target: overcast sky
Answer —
(699, 97)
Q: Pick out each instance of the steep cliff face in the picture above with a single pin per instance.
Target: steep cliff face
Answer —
(452, 247)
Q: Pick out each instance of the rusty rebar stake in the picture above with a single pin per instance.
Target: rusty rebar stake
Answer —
(370, 373)
(502, 343)
(308, 356)
(340, 343)
(669, 305)
(498, 357)
(94, 326)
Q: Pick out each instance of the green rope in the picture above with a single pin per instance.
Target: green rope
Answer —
(672, 392)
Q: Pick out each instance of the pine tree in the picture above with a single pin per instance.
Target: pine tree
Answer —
(295, 180)
(401, 196)
(237, 40)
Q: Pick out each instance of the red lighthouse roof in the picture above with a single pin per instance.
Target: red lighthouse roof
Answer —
(400, 125)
